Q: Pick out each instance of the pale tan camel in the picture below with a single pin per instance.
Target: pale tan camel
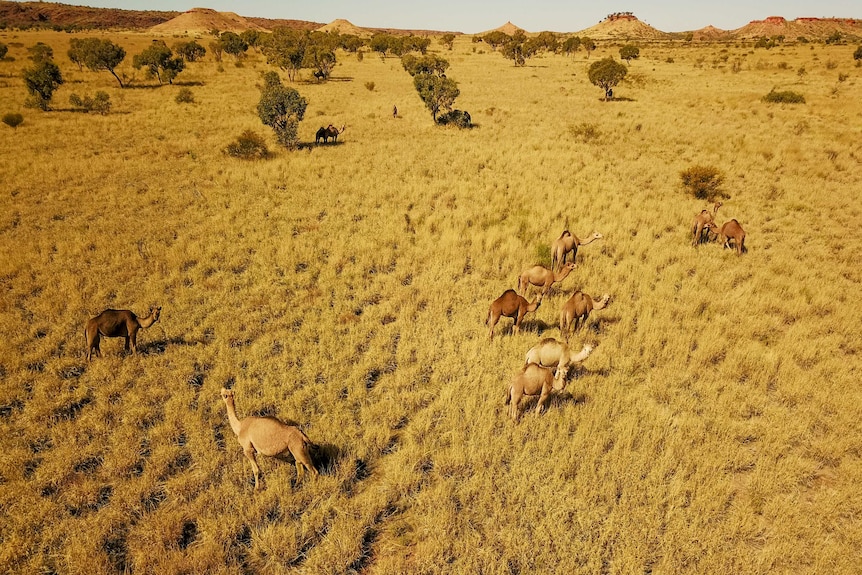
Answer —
(268, 436)
(568, 242)
(733, 231)
(555, 354)
(704, 221)
(328, 132)
(533, 380)
(117, 323)
(543, 278)
(510, 304)
(577, 309)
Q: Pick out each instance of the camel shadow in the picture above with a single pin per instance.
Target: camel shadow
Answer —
(160, 346)
(556, 400)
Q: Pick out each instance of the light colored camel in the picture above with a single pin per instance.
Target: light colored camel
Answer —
(555, 354)
(733, 231)
(704, 221)
(543, 278)
(577, 310)
(567, 242)
(328, 132)
(533, 380)
(117, 323)
(510, 304)
(268, 436)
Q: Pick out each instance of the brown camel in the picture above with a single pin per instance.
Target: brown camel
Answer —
(733, 231)
(268, 436)
(543, 278)
(704, 221)
(117, 323)
(567, 242)
(575, 312)
(328, 132)
(510, 304)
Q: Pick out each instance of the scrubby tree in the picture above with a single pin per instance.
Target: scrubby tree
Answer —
(588, 44)
(281, 108)
(447, 40)
(630, 52)
(703, 182)
(571, 45)
(40, 52)
(545, 41)
(414, 44)
(97, 54)
(321, 59)
(857, 55)
(436, 90)
(496, 38)
(606, 74)
(350, 42)
(429, 64)
(216, 49)
(518, 48)
(285, 48)
(41, 81)
(253, 38)
(100, 103)
(190, 51)
(4, 49)
(233, 44)
(382, 44)
(159, 61)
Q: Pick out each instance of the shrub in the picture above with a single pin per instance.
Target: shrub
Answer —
(3, 50)
(185, 96)
(456, 118)
(703, 182)
(12, 119)
(857, 55)
(281, 108)
(606, 74)
(248, 146)
(41, 81)
(585, 131)
(100, 103)
(786, 97)
(370, 86)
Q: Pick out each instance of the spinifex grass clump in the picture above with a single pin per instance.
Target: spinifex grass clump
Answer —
(100, 103)
(784, 97)
(248, 146)
(703, 182)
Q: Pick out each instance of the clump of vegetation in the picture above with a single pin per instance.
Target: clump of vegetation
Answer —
(41, 81)
(190, 51)
(96, 54)
(784, 97)
(429, 78)
(369, 86)
(606, 74)
(185, 96)
(100, 103)
(630, 52)
(248, 146)
(585, 131)
(458, 118)
(12, 119)
(159, 61)
(281, 108)
(703, 182)
(857, 55)
(4, 49)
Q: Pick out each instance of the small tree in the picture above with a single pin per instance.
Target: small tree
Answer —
(98, 54)
(438, 93)
(13, 120)
(41, 81)
(248, 146)
(588, 44)
(4, 49)
(321, 59)
(159, 61)
(285, 48)
(281, 108)
(447, 40)
(571, 45)
(217, 50)
(857, 55)
(233, 44)
(630, 52)
(40, 52)
(606, 74)
(519, 48)
(76, 52)
(190, 51)
(703, 182)
(495, 39)
(100, 103)
(252, 37)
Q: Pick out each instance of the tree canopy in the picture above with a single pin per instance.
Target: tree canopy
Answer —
(159, 61)
(281, 108)
(607, 73)
(97, 54)
(41, 81)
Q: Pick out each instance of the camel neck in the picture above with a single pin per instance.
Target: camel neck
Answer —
(231, 416)
(147, 321)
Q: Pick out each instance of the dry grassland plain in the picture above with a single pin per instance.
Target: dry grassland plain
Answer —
(715, 428)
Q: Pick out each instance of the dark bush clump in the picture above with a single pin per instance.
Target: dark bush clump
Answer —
(248, 146)
(786, 97)
(458, 118)
(185, 96)
(703, 182)
(100, 103)
(12, 119)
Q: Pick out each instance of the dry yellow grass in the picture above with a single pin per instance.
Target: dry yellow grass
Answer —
(715, 428)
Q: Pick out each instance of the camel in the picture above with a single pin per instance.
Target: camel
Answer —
(543, 277)
(731, 230)
(704, 221)
(577, 310)
(566, 243)
(328, 132)
(268, 436)
(117, 323)
(552, 353)
(533, 380)
(510, 304)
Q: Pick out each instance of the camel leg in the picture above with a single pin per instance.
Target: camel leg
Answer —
(93, 345)
(543, 400)
(303, 462)
(516, 400)
(249, 453)
(134, 340)
(493, 322)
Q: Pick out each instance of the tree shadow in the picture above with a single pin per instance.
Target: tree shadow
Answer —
(190, 83)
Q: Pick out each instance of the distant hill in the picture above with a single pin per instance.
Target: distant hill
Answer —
(624, 26)
(507, 28)
(202, 20)
(811, 28)
(51, 15)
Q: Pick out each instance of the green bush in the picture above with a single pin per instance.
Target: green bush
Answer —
(185, 96)
(12, 119)
(703, 182)
(248, 146)
(786, 97)
(857, 55)
(456, 118)
(369, 86)
(100, 103)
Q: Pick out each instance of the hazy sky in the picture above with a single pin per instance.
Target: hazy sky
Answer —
(532, 15)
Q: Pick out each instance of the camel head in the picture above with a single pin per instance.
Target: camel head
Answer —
(226, 394)
(595, 236)
(156, 312)
(602, 303)
(715, 207)
(343, 127)
(583, 354)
